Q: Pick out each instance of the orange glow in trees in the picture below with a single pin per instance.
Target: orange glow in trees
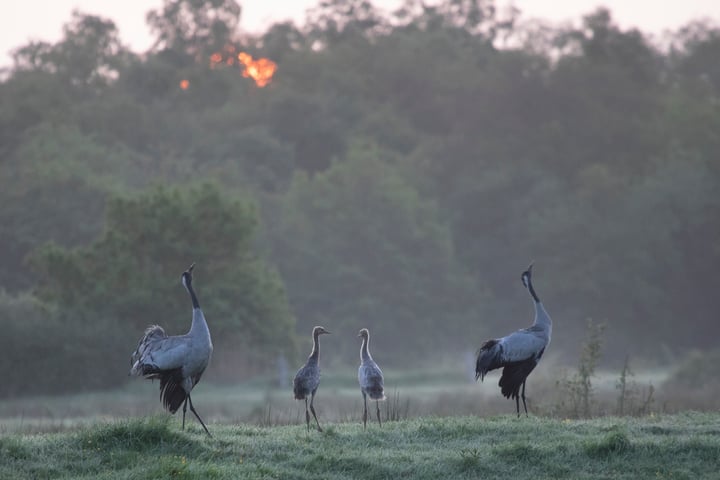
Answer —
(260, 70)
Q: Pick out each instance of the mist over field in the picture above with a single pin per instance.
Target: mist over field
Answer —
(361, 169)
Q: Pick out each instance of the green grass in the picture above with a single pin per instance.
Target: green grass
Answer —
(677, 446)
(446, 391)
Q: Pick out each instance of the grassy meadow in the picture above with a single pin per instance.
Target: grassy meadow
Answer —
(437, 425)
(678, 446)
(449, 390)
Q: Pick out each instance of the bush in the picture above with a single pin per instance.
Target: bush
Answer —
(49, 352)
(578, 390)
(105, 294)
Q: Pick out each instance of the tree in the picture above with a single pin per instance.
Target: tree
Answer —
(196, 27)
(128, 278)
(359, 247)
(89, 55)
(335, 21)
(476, 17)
(603, 93)
(36, 358)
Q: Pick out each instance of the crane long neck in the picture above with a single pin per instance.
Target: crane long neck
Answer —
(365, 350)
(532, 290)
(541, 316)
(193, 297)
(199, 326)
(315, 354)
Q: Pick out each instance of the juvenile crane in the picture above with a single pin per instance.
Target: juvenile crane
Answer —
(370, 377)
(517, 353)
(307, 379)
(178, 361)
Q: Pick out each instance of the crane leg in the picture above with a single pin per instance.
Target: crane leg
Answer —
(184, 411)
(312, 409)
(307, 415)
(517, 404)
(523, 398)
(192, 409)
(377, 406)
(365, 415)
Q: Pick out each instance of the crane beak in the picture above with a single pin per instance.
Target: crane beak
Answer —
(190, 269)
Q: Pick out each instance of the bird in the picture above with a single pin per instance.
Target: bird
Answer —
(178, 361)
(370, 377)
(518, 353)
(307, 378)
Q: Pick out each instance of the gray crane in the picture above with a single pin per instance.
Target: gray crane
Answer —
(517, 353)
(370, 377)
(307, 379)
(178, 361)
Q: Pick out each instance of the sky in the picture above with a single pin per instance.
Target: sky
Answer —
(26, 20)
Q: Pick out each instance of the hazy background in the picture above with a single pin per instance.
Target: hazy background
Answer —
(399, 172)
(22, 22)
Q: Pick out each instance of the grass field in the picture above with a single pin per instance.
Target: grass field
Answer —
(685, 445)
(261, 402)
(445, 426)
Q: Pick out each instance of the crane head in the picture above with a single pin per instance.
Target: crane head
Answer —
(364, 333)
(186, 276)
(319, 331)
(526, 275)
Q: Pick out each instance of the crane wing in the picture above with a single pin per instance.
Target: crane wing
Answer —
(170, 353)
(306, 380)
(370, 376)
(158, 352)
(522, 345)
(371, 381)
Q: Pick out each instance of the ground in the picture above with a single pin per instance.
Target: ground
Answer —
(684, 445)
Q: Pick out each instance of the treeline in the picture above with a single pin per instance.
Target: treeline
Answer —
(398, 173)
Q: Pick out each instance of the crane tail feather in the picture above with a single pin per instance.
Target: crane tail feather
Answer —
(513, 376)
(489, 357)
(140, 359)
(375, 392)
(172, 393)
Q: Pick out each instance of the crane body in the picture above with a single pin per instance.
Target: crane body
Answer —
(177, 361)
(517, 353)
(307, 378)
(370, 377)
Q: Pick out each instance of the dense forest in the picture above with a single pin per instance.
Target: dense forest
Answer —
(398, 172)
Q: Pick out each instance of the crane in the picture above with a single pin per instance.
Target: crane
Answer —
(517, 353)
(178, 361)
(307, 379)
(370, 377)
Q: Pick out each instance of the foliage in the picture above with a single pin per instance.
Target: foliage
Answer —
(123, 279)
(406, 166)
(195, 26)
(623, 384)
(385, 272)
(426, 448)
(632, 399)
(32, 337)
(85, 59)
(578, 389)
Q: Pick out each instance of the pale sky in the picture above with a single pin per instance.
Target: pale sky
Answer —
(25, 20)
